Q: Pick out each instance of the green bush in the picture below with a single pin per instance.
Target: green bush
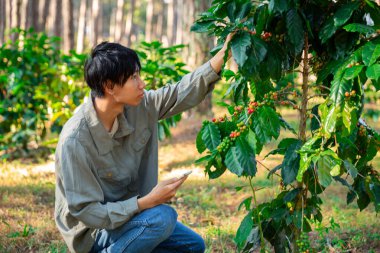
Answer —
(39, 88)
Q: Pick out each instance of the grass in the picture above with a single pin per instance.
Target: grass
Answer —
(207, 206)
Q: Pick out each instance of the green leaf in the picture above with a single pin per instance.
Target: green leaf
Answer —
(210, 136)
(328, 165)
(339, 86)
(373, 71)
(201, 147)
(282, 146)
(351, 169)
(327, 30)
(371, 53)
(295, 29)
(291, 163)
(352, 72)
(262, 14)
(240, 159)
(278, 6)
(201, 26)
(259, 49)
(239, 45)
(266, 124)
(360, 28)
(349, 118)
(244, 230)
(328, 118)
(305, 162)
(344, 13)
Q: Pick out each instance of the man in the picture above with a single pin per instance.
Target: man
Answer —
(107, 196)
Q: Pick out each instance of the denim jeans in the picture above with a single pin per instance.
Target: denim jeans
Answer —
(153, 230)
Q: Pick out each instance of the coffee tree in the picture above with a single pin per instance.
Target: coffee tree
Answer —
(160, 66)
(333, 48)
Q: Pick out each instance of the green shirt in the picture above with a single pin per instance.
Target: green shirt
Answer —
(100, 177)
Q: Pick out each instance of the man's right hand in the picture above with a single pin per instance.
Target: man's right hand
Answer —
(163, 192)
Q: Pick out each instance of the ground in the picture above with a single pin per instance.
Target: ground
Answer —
(207, 206)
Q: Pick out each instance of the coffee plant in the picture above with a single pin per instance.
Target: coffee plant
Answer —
(160, 66)
(333, 47)
(39, 88)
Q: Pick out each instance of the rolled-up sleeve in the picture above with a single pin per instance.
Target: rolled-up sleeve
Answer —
(189, 92)
(84, 196)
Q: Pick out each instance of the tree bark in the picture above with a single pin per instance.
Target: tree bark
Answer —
(94, 36)
(180, 13)
(45, 14)
(129, 22)
(3, 9)
(119, 20)
(68, 28)
(159, 9)
(81, 25)
(58, 18)
(149, 20)
(32, 14)
(170, 22)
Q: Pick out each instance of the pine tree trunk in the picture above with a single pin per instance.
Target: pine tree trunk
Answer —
(149, 20)
(170, 22)
(94, 36)
(159, 10)
(2, 20)
(45, 14)
(180, 12)
(68, 27)
(129, 22)
(32, 14)
(58, 19)
(119, 20)
(81, 25)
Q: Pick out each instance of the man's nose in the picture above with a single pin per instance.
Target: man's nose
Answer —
(142, 84)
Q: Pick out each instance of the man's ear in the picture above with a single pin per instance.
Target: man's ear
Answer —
(108, 88)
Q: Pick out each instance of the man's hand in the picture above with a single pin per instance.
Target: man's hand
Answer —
(217, 61)
(160, 194)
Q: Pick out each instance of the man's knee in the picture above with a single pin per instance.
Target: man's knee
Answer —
(199, 245)
(165, 219)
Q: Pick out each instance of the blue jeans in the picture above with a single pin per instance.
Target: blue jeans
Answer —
(153, 230)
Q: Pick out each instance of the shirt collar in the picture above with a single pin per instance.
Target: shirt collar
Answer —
(103, 141)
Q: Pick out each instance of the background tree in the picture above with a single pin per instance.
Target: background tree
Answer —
(333, 48)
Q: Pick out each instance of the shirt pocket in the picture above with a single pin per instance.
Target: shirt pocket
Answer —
(141, 139)
(114, 177)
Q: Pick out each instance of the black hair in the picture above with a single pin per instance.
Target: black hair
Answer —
(109, 64)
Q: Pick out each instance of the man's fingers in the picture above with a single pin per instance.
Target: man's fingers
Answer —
(170, 181)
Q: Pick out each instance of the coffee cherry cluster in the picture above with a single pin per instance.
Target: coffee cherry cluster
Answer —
(280, 38)
(304, 243)
(224, 145)
(362, 130)
(220, 119)
(252, 107)
(266, 36)
(350, 94)
(242, 127)
(237, 110)
(234, 134)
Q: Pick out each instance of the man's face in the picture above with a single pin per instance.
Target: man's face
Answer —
(132, 92)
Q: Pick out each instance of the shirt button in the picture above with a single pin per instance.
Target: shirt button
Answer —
(109, 174)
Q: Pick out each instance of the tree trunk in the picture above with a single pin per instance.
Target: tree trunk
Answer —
(32, 14)
(58, 19)
(129, 22)
(149, 20)
(170, 22)
(2, 20)
(159, 9)
(81, 25)
(15, 16)
(180, 13)
(45, 14)
(119, 20)
(68, 27)
(94, 36)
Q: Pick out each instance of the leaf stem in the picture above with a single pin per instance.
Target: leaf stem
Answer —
(262, 242)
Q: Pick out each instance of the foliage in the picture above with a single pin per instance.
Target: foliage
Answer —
(40, 88)
(338, 44)
(160, 66)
